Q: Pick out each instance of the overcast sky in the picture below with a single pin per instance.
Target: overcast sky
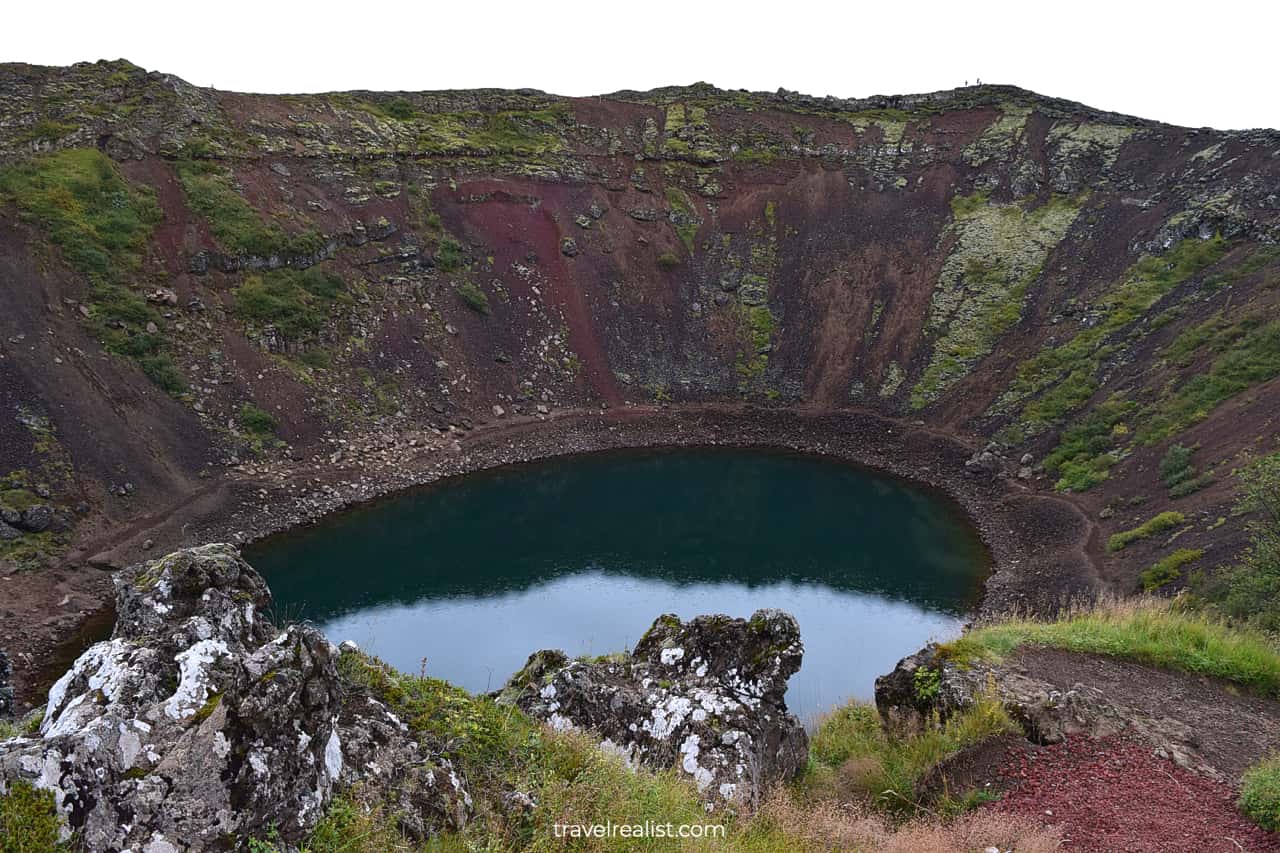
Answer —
(1203, 64)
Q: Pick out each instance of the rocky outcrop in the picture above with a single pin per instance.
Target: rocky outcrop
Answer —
(705, 696)
(200, 721)
(926, 688)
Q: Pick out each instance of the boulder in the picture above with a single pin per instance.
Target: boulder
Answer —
(7, 532)
(37, 519)
(706, 696)
(199, 721)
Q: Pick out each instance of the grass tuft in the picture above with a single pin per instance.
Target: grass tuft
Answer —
(1148, 630)
(1260, 794)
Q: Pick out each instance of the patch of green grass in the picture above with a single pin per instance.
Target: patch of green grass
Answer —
(967, 205)
(687, 227)
(25, 727)
(1150, 631)
(1251, 359)
(668, 261)
(884, 767)
(1078, 360)
(296, 302)
(34, 550)
(236, 225)
(475, 298)
(19, 499)
(1168, 569)
(257, 421)
(1085, 451)
(1156, 524)
(46, 129)
(450, 255)
(1260, 794)
(758, 327)
(101, 223)
(357, 822)
(28, 820)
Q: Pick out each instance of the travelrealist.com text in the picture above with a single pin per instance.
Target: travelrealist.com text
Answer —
(648, 829)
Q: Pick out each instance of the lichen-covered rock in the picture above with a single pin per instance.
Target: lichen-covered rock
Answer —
(199, 721)
(706, 696)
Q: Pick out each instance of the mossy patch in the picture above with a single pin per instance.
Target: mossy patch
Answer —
(1156, 524)
(999, 252)
(102, 224)
(296, 303)
(237, 226)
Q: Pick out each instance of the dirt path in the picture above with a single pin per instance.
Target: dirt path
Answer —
(1227, 729)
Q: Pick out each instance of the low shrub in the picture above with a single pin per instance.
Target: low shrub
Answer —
(257, 421)
(1260, 794)
(1156, 524)
(477, 300)
(1167, 569)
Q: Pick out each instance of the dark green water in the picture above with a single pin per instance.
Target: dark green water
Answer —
(583, 553)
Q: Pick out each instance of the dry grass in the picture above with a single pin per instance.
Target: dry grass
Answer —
(785, 823)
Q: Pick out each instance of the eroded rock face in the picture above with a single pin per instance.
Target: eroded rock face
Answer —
(199, 721)
(705, 696)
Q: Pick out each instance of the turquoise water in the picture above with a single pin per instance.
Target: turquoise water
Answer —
(583, 553)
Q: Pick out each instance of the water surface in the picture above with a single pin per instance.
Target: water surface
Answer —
(582, 553)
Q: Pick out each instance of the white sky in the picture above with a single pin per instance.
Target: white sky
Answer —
(1202, 64)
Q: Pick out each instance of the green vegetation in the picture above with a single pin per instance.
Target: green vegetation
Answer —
(295, 302)
(257, 421)
(668, 261)
(28, 725)
(1260, 794)
(450, 255)
(1180, 477)
(759, 324)
(524, 133)
(475, 298)
(1073, 366)
(1168, 569)
(853, 750)
(1150, 631)
(102, 224)
(1249, 591)
(1253, 358)
(1156, 524)
(685, 219)
(28, 820)
(999, 252)
(857, 771)
(1085, 452)
(235, 224)
(46, 129)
